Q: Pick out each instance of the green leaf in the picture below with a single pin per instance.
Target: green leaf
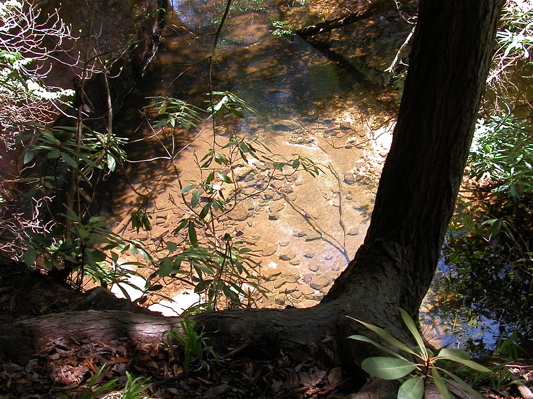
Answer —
(204, 211)
(439, 383)
(458, 353)
(237, 112)
(197, 253)
(413, 388)
(196, 198)
(514, 191)
(387, 337)
(100, 238)
(166, 266)
(362, 338)
(171, 246)
(495, 225)
(98, 256)
(155, 287)
(28, 157)
(188, 188)
(192, 234)
(181, 225)
(201, 269)
(55, 153)
(177, 263)
(210, 178)
(225, 178)
(278, 165)
(111, 162)
(243, 155)
(218, 106)
(218, 205)
(202, 285)
(237, 288)
(208, 155)
(295, 163)
(82, 232)
(387, 368)
(408, 321)
(454, 356)
(221, 159)
(244, 147)
(463, 385)
(30, 255)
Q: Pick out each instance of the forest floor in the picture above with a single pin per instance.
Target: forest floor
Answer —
(66, 367)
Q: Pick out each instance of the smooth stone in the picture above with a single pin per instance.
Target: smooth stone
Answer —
(320, 282)
(279, 300)
(345, 125)
(178, 304)
(349, 179)
(277, 184)
(273, 216)
(277, 206)
(286, 125)
(290, 288)
(306, 290)
(291, 278)
(240, 213)
(296, 294)
(313, 267)
(287, 256)
(269, 250)
(353, 231)
(313, 237)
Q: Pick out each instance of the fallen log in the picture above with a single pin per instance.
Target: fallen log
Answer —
(376, 8)
(21, 340)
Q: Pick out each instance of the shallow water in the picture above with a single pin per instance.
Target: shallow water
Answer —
(305, 229)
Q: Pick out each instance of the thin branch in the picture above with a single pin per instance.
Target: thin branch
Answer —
(394, 63)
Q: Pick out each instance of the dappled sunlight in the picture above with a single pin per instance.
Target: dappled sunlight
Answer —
(305, 229)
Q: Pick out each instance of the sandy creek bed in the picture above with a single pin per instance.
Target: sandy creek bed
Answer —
(306, 229)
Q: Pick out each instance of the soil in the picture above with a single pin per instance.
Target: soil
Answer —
(68, 368)
(65, 367)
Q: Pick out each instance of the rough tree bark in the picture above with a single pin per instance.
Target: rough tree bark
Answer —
(450, 60)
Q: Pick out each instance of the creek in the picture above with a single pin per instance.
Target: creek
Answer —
(305, 229)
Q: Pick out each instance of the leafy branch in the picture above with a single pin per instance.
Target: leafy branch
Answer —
(419, 366)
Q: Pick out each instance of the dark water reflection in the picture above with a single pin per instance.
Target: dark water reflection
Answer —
(482, 294)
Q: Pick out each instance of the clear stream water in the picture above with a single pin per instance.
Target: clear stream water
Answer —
(305, 105)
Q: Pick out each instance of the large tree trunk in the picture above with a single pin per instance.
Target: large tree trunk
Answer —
(452, 49)
(451, 54)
